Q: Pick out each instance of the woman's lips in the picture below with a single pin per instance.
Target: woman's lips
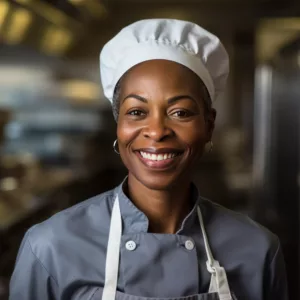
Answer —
(158, 160)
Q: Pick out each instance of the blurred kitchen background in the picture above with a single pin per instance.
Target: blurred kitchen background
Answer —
(57, 129)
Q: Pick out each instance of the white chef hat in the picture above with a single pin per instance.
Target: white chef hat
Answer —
(183, 42)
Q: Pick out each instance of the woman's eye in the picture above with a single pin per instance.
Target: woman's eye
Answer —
(181, 114)
(136, 112)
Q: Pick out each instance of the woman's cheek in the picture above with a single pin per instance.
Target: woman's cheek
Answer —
(198, 144)
(126, 133)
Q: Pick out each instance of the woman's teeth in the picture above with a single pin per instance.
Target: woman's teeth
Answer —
(157, 156)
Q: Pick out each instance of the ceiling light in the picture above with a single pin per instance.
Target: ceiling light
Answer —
(4, 9)
(273, 34)
(24, 1)
(96, 8)
(49, 12)
(18, 26)
(80, 90)
(56, 40)
(77, 2)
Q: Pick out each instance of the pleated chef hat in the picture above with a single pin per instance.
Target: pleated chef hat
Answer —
(183, 42)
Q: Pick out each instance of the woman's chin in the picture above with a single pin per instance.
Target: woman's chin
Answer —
(161, 182)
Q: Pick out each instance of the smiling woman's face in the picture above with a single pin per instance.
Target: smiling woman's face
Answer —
(162, 125)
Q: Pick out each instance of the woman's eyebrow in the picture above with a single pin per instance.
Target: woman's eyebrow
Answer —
(180, 97)
(170, 100)
(140, 98)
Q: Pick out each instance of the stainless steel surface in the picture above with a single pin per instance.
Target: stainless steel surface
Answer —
(262, 142)
(276, 192)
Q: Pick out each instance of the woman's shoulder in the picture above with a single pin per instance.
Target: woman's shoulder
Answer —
(238, 226)
(87, 218)
(69, 236)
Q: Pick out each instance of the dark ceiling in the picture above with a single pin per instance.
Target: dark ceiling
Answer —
(90, 23)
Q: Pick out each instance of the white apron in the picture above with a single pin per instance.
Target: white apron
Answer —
(218, 289)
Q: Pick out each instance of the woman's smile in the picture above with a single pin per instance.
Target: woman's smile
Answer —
(159, 159)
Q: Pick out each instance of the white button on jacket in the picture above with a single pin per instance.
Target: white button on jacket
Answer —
(189, 245)
(131, 245)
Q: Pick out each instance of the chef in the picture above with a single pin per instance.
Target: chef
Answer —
(154, 236)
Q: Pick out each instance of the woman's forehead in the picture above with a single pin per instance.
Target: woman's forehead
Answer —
(161, 73)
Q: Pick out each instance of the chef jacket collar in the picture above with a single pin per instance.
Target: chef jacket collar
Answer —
(135, 221)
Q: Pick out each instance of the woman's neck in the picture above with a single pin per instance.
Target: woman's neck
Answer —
(165, 209)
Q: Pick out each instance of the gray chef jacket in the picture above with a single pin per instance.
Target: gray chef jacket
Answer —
(64, 257)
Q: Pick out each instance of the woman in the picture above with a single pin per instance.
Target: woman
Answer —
(154, 237)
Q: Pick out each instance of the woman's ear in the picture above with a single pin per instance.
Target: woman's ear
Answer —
(210, 122)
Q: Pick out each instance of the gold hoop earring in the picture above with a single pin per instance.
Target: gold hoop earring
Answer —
(115, 146)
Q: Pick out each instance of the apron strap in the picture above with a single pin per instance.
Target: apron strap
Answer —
(113, 253)
(219, 283)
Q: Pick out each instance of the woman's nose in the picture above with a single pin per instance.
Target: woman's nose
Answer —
(157, 129)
